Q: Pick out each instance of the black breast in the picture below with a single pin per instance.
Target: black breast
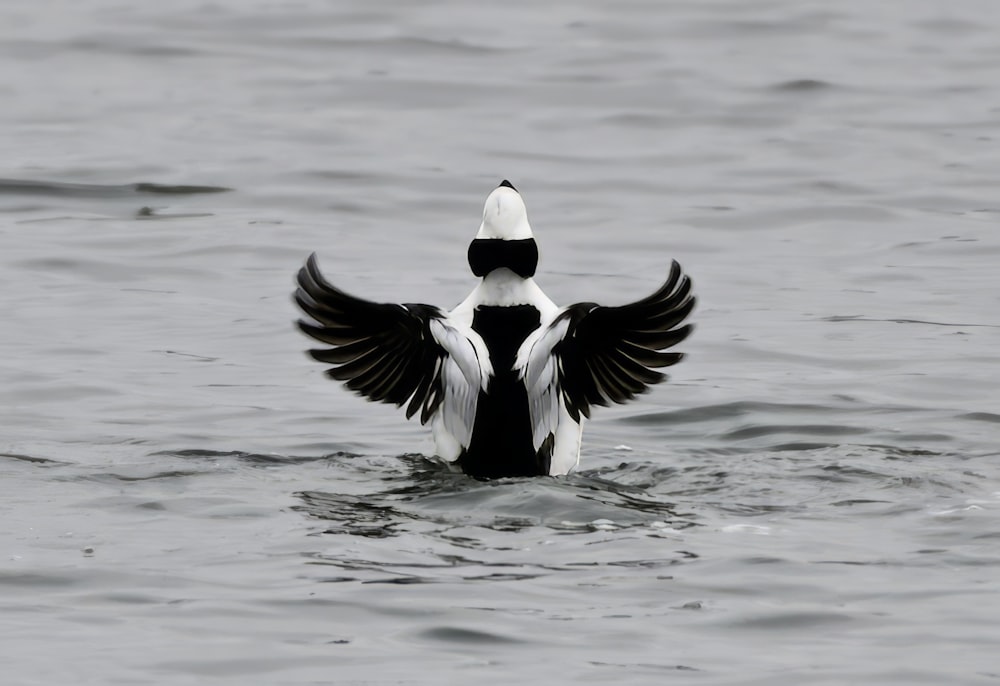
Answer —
(501, 438)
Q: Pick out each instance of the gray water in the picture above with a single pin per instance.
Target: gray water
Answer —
(812, 499)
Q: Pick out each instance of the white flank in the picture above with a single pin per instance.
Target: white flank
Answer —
(464, 372)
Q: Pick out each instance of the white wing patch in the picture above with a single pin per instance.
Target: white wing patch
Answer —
(464, 372)
(538, 369)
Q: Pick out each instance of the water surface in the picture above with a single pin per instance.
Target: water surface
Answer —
(812, 499)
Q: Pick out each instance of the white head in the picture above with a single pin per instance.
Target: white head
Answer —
(504, 215)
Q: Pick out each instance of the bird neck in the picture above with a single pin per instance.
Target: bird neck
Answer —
(488, 254)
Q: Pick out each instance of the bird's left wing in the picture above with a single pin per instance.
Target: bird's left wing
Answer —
(396, 353)
(593, 355)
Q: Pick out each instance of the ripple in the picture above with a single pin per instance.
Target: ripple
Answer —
(33, 459)
(755, 431)
(33, 581)
(253, 459)
(803, 85)
(793, 620)
(860, 318)
(463, 636)
(981, 417)
(577, 503)
(91, 190)
(727, 410)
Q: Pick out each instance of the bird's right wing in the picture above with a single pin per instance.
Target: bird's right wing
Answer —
(592, 355)
(396, 353)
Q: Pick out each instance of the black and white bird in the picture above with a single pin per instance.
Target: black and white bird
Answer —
(506, 378)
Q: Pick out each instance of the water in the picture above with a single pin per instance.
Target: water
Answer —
(813, 499)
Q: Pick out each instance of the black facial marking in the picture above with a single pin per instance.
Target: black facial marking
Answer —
(507, 184)
(519, 256)
(501, 438)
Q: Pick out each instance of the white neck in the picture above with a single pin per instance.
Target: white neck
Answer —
(504, 288)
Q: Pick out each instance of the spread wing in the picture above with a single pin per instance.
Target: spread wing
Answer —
(593, 355)
(396, 353)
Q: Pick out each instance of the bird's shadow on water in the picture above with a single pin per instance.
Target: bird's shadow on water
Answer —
(429, 492)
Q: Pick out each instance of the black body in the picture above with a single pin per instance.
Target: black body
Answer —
(501, 440)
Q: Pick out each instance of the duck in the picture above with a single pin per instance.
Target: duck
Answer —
(506, 378)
